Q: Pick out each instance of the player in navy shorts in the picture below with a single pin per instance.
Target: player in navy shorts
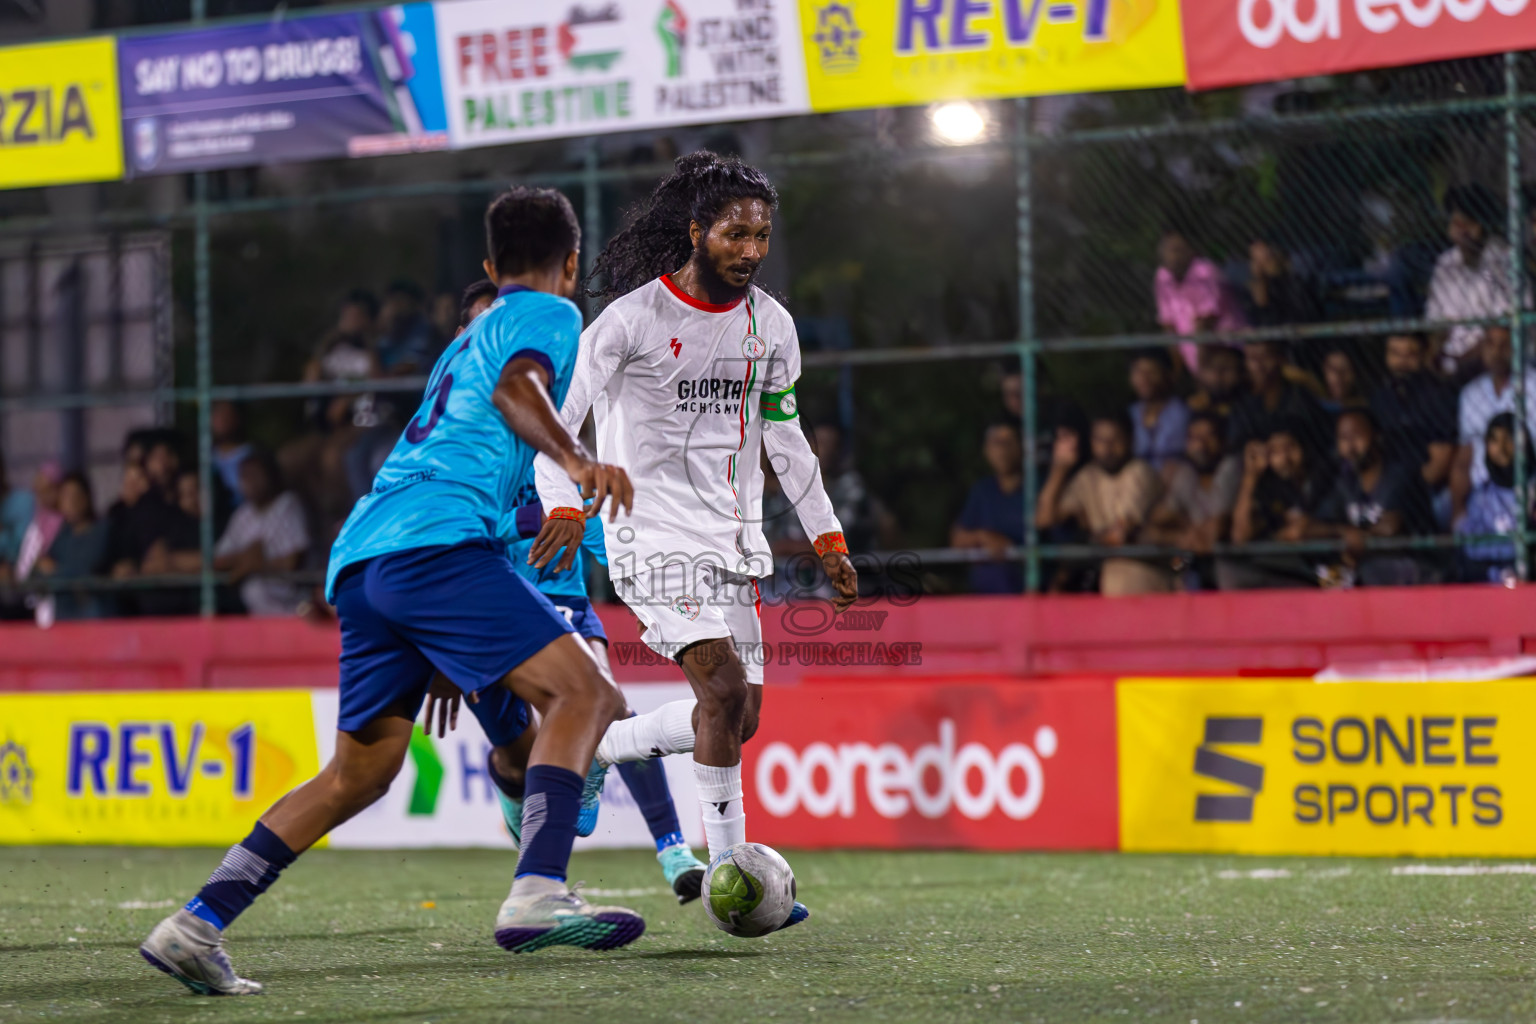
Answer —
(422, 584)
(505, 720)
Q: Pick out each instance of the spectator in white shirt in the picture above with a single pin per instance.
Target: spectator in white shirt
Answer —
(1481, 400)
(1471, 278)
(267, 534)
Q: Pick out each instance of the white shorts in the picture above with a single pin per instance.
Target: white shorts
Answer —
(681, 605)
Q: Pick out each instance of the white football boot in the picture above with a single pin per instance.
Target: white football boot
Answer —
(191, 950)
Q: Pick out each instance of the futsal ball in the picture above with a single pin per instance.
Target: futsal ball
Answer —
(749, 890)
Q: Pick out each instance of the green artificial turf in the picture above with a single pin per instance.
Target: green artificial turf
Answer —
(926, 937)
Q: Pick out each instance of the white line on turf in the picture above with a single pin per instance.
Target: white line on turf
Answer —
(1466, 869)
(145, 904)
(1262, 874)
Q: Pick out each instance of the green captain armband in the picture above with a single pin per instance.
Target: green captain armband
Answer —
(781, 406)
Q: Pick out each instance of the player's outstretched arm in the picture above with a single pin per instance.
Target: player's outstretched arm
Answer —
(799, 472)
(522, 397)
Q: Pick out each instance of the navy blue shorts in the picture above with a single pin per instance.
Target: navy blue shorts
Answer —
(579, 613)
(502, 714)
(461, 610)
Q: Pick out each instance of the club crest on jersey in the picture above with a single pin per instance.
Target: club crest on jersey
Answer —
(753, 347)
(686, 606)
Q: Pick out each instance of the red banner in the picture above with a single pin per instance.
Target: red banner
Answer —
(1234, 42)
(994, 763)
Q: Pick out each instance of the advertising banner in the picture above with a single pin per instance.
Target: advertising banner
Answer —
(59, 121)
(163, 769)
(517, 69)
(994, 764)
(1235, 42)
(1419, 769)
(894, 52)
(443, 796)
(312, 88)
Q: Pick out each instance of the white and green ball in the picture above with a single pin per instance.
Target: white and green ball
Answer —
(749, 890)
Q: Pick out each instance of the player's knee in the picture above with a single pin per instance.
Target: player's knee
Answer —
(748, 722)
(361, 787)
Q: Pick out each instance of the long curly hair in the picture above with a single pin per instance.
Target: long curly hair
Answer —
(656, 241)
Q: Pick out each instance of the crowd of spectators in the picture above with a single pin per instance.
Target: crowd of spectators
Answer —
(1356, 445)
(147, 540)
(1269, 459)
(275, 511)
(1340, 441)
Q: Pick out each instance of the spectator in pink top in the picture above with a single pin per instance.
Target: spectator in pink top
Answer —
(46, 520)
(1192, 296)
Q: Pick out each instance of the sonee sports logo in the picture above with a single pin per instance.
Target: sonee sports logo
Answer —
(1213, 764)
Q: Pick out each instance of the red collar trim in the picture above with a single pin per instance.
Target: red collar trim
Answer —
(708, 307)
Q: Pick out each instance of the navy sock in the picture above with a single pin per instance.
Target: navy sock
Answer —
(513, 789)
(647, 782)
(550, 808)
(248, 869)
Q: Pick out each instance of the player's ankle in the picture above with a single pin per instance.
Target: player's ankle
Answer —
(534, 886)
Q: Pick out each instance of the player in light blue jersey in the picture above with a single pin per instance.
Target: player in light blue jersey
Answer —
(500, 714)
(422, 584)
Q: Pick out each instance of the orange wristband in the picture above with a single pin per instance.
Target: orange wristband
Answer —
(566, 513)
(830, 542)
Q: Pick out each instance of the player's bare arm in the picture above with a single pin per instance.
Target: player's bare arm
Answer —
(799, 470)
(522, 396)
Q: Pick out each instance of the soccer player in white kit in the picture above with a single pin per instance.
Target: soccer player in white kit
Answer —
(690, 374)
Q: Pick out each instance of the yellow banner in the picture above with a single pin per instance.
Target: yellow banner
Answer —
(1422, 769)
(59, 116)
(870, 53)
(164, 769)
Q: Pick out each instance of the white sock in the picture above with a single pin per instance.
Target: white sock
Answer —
(667, 730)
(725, 818)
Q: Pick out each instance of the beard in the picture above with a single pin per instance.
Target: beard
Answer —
(1207, 465)
(1364, 464)
(709, 274)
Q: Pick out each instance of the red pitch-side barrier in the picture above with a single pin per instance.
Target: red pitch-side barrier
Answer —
(1274, 633)
(983, 763)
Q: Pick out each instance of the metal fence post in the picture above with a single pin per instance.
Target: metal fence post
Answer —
(1516, 230)
(203, 312)
(1023, 182)
(591, 208)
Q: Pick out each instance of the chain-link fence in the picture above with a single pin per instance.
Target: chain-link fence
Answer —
(1125, 342)
(1299, 409)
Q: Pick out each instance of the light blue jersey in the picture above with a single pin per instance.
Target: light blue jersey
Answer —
(572, 582)
(457, 468)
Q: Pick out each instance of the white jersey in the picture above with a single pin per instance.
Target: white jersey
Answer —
(677, 388)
